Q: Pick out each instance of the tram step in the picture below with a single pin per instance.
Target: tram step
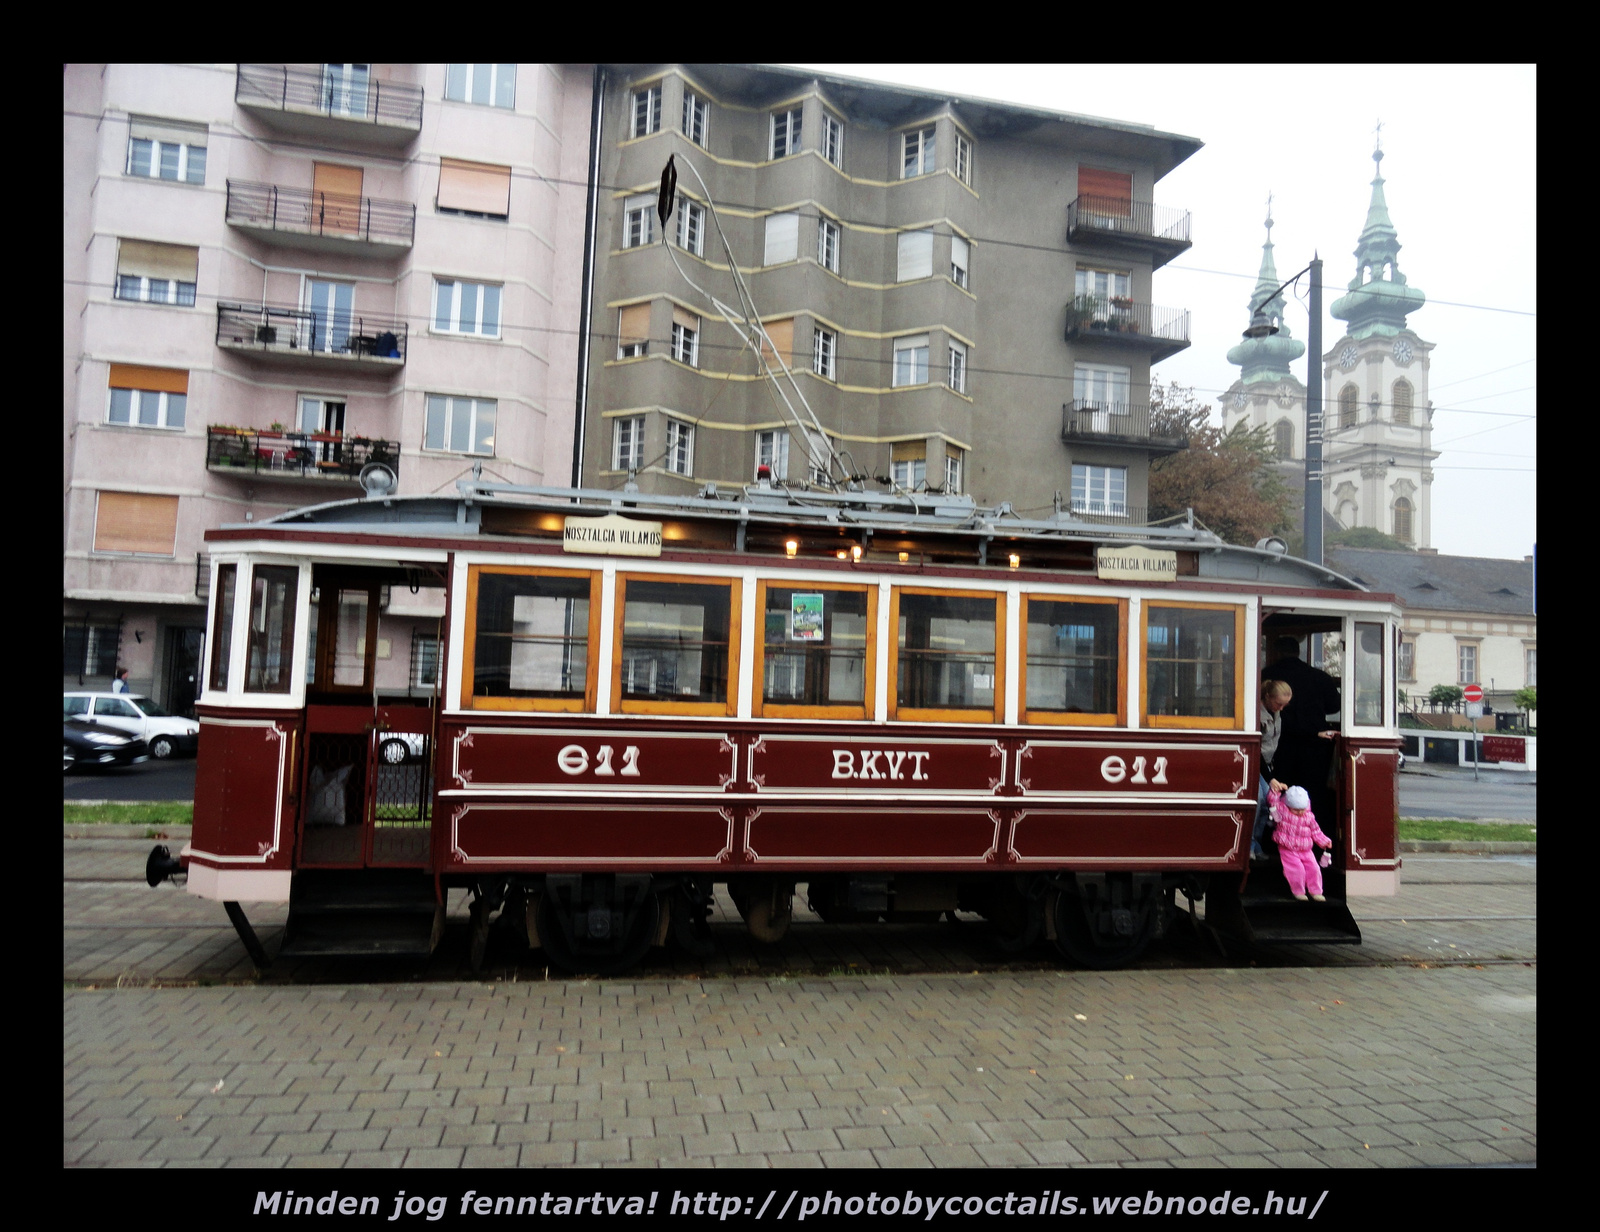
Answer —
(355, 935)
(361, 913)
(1281, 921)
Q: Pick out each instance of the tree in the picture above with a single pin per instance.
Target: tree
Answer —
(1366, 537)
(1227, 478)
(1526, 699)
(1445, 695)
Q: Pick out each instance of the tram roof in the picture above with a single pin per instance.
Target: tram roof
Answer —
(939, 517)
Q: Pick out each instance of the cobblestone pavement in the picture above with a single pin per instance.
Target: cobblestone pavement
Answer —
(1416, 1048)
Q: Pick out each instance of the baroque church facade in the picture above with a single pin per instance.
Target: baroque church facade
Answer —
(1377, 418)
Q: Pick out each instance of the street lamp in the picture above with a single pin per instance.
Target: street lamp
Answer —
(1261, 327)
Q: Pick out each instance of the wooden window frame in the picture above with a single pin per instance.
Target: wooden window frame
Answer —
(760, 708)
(331, 582)
(730, 706)
(1196, 722)
(568, 705)
(1120, 718)
(966, 714)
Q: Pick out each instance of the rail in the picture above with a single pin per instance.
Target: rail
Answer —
(1088, 419)
(314, 455)
(329, 93)
(301, 211)
(1131, 219)
(284, 329)
(1114, 315)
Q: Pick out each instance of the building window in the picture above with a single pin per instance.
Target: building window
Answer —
(828, 245)
(157, 273)
(1349, 411)
(916, 153)
(783, 239)
(633, 331)
(1101, 388)
(680, 447)
(155, 290)
(772, 450)
(911, 361)
(1402, 402)
(963, 159)
(425, 659)
(488, 85)
(818, 458)
(824, 351)
(344, 89)
(1407, 666)
(908, 464)
(952, 473)
(627, 444)
(164, 150)
(88, 650)
(786, 133)
(694, 118)
(1467, 663)
(478, 190)
(832, 140)
(647, 110)
(133, 522)
(685, 337)
(460, 425)
(147, 397)
(466, 308)
(1105, 289)
(958, 368)
(1402, 520)
(960, 260)
(691, 228)
(915, 256)
(1100, 489)
(1283, 440)
(1530, 658)
(778, 344)
(639, 221)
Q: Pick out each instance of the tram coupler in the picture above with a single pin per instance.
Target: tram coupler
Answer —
(162, 864)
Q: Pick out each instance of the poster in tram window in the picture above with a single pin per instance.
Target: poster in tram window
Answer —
(805, 618)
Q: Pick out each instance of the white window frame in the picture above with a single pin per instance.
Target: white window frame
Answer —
(696, 112)
(685, 344)
(691, 227)
(832, 145)
(910, 368)
(952, 473)
(828, 236)
(789, 123)
(772, 449)
(421, 659)
(918, 152)
(1466, 652)
(963, 159)
(627, 443)
(648, 120)
(154, 173)
(957, 377)
(470, 79)
(1117, 381)
(824, 353)
(135, 408)
(1530, 667)
(154, 291)
(910, 473)
(914, 255)
(960, 261)
(454, 407)
(680, 447)
(638, 221)
(460, 292)
(1104, 488)
(1118, 284)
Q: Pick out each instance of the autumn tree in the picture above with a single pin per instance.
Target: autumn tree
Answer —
(1227, 478)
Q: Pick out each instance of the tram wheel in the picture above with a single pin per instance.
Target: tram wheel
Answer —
(609, 957)
(1086, 932)
(1015, 913)
(769, 916)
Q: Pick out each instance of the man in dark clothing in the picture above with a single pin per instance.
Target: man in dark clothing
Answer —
(1305, 749)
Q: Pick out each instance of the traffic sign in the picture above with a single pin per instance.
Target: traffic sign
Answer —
(1472, 693)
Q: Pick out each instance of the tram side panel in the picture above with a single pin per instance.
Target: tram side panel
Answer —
(242, 843)
(1371, 793)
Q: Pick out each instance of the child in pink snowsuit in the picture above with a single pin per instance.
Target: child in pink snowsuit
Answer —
(1295, 832)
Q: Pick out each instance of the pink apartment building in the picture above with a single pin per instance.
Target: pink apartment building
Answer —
(278, 274)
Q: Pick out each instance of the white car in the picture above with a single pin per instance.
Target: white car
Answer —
(165, 733)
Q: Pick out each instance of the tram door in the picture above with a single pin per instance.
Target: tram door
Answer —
(367, 791)
(1306, 649)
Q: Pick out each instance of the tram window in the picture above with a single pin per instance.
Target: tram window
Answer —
(222, 628)
(814, 651)
(532, 637)
(1074, 660)
(949, 655)
(273, 591)
(1192, 666)
(1369, 674)
(674, 647)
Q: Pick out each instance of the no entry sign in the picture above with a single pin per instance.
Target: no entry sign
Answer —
(1472, 693)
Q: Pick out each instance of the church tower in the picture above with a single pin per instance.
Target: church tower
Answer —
(1378, 421)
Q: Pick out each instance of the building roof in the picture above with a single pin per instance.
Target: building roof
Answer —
(1441, 583)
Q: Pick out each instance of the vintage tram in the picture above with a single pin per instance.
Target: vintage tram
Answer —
(907, 704)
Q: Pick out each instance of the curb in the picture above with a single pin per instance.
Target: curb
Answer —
(122, 831)
(1470, 847)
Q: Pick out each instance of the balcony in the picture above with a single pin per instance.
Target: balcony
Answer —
(1158, 230)
(310, 336)
(1115, 423)
(326, 102)
(326, 222)
(318, 456)
(1123, 323)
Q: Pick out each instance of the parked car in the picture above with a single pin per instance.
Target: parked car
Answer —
(86, 744)
(165, 733)
(400, 747)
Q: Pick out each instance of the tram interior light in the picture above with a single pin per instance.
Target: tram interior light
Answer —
(855, 551)
(1013, 560)
(905, 557)
(841, 554)
(791, 547)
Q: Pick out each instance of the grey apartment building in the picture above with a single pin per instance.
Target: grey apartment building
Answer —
(963, 289)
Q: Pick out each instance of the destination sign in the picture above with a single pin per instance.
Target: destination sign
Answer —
(1136, 565)
(611, 536)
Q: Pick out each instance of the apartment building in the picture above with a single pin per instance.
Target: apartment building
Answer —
(278, 275)
(963, 289)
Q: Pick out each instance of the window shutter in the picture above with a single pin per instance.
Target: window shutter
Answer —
(133, 376)
(782, 335)
(634, 323)
(909, 451)
(129, 522)
(1112, 190)
(140, 258)
(174, 132)
(960, 252)
(480, 188)
(916, 255)
(685, 318)
(783, 238)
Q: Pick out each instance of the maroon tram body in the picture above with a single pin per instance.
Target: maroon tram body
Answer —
(635, 698)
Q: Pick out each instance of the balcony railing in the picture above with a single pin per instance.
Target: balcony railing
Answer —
(1163, 331)
(1115, 423)
(341, 336)
(1141, 221)
(325, 92)
(295, 455)
(299, 211)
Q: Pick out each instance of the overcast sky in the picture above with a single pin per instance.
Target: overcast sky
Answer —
(1460, 179)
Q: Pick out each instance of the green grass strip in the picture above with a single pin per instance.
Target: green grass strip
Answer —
(1444, 829)
(162, 813)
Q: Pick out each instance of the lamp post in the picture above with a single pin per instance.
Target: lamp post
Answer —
(1260, 327)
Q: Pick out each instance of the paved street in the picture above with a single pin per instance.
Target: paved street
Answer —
(1498, 795)
(172, 779)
